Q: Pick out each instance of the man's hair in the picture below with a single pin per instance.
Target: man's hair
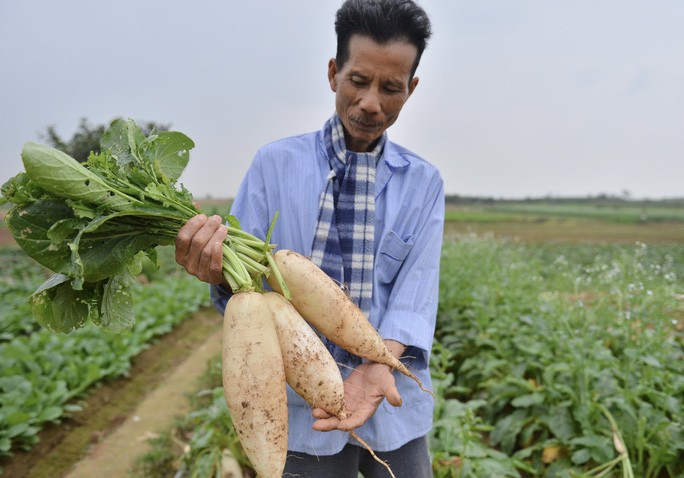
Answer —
(384, 21)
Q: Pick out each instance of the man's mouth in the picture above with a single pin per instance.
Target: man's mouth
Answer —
(365, 124)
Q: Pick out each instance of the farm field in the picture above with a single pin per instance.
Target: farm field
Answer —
(540, 346)
(57, 389)
(550, 326)
(578, 222)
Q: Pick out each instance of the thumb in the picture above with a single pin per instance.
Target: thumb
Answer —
(392, 395)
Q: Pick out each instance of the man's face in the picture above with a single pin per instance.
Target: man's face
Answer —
(371, 88)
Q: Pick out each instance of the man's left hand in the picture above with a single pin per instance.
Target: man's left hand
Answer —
(364, 390)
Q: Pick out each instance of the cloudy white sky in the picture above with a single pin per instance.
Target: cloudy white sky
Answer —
(516, 98)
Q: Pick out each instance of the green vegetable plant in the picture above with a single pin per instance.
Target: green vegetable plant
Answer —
(43, 375)
(572, 353)
(92, 224)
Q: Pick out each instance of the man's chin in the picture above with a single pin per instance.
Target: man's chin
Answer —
(365, 136)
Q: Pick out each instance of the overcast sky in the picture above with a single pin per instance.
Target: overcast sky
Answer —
(516, 98)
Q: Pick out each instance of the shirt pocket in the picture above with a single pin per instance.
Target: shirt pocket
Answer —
(393, 250)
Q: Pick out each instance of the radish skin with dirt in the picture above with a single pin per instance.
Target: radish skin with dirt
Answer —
(324, 305)
(309, 368)
(254, 382)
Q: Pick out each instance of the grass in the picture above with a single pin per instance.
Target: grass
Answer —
(586, 221)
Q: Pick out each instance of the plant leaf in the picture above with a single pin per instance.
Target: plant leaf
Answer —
(233, 221)
(62, 176)
(111, 249)
(170, 152)
(20, 190)
(560, 423)
(30, 223)
(116, 310)
(60, 308)
(115, 139)
(528, 400)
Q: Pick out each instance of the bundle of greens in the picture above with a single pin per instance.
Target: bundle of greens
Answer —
(93, 223)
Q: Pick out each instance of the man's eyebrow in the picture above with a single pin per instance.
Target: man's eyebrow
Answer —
(394, 82)
(357, 73)
(388, 81)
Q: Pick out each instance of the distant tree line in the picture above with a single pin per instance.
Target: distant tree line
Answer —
(599, 199)
(87, 138)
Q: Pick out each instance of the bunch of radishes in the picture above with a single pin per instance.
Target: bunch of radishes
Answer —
(267, 342)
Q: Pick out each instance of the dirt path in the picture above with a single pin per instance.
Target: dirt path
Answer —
(116, 454)
(105, 438)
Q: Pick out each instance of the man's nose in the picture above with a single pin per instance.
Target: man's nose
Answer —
(370, 102)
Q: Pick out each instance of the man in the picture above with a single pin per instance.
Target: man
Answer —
(368, 212)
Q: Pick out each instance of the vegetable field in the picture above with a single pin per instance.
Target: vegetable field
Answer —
(559, 353)
(560, 360)
(44, 375)
(554, 358)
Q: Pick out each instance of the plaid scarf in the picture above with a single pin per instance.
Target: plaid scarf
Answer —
(344, 240)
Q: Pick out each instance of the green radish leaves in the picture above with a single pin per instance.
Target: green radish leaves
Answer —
(30, 224)
(60, 308)
(164, 154)
(171, 152)
(62, 176)
(92, 223)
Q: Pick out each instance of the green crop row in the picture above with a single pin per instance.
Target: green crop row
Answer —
(559, 361)
(41, 371)
(19, 278)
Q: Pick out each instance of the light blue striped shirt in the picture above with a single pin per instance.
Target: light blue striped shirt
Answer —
(288, 176)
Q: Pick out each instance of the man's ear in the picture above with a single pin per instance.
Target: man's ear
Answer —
(412, 85)
(332, 74)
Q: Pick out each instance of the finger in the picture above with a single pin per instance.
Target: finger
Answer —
(216, 266)
(326, 424)
(210, 264)
(355, 420)
(393, 397)
(185, 235)
(320, 413)
(199, 245)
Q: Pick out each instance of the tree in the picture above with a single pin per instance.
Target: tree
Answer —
(87, 138)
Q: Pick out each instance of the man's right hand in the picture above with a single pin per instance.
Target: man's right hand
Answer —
(199, 248)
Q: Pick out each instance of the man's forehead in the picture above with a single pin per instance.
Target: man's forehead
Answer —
(366, 55)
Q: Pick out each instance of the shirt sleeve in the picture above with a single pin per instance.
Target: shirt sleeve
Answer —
(412, 310)
(219, 297)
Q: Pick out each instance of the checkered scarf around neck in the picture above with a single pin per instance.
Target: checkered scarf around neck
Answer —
(344, 241)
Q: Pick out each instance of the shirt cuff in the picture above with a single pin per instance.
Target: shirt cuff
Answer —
(412, 330)
(219, 297)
